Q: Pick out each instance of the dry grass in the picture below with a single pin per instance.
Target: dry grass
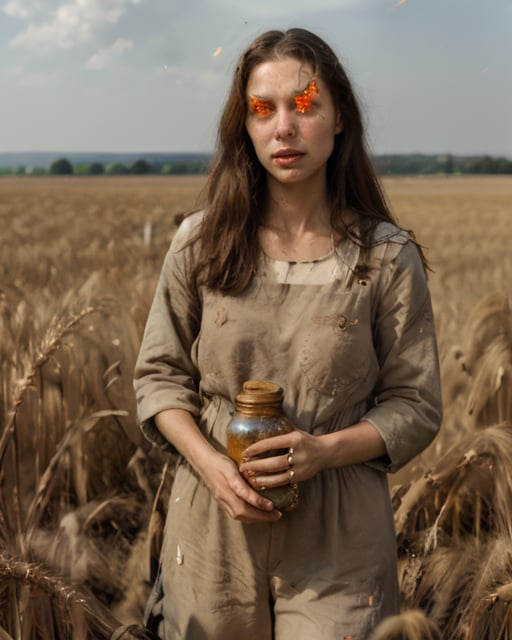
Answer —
(82, 497)
(411, 625)
(77, 479)
(453, 506)
(465, 224)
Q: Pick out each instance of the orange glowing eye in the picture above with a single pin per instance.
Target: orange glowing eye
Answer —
(260, 107)
(304, 101)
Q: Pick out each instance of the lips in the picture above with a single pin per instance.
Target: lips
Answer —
(285, 157)
(286, 153)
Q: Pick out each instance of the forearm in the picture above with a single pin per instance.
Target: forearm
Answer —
(180, 429)
(229, 489)
(310, 454)
(358, 443)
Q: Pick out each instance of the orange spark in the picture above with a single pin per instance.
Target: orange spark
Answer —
(304, 100)
(260, 107)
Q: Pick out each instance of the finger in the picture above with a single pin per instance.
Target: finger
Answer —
(265, 465)
(250, 515)
(284, 441)
(261, 482)
(240, 509)
(251, 497)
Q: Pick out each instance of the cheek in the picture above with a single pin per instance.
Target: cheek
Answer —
(322, 132)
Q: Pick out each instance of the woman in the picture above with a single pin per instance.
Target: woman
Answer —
(294, 273)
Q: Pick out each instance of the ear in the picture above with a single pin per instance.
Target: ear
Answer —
(338, 128)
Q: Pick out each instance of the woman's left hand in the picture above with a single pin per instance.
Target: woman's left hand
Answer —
(303, 456)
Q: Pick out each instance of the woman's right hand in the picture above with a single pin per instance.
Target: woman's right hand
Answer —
(233, 494)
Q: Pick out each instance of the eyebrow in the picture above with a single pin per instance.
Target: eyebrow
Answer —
(256, 97)
(309, 90)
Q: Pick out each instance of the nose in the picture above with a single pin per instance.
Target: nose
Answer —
(285, 124)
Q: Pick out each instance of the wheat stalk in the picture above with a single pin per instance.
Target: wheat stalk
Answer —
(411, 624)
(74, 607)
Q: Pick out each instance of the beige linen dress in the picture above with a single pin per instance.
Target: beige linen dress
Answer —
(347, 341)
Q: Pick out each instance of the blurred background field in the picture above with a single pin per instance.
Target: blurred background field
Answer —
(82, 496)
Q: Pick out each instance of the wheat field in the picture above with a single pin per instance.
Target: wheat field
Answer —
(82, 496)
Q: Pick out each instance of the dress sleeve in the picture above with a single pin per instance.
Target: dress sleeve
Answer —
(407, 407)
(165, 375)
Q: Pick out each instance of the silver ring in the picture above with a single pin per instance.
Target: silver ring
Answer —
(291, 473)
(290, 457)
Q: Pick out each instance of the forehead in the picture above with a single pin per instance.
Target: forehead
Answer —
(284, 76)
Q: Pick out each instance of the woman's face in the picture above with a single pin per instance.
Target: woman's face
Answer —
(291, 120)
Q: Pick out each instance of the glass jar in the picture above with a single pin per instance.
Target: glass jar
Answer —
(259, 414)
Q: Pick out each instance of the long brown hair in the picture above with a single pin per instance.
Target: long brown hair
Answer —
(236, 189)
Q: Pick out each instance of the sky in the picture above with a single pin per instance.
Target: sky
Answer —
(433, 76)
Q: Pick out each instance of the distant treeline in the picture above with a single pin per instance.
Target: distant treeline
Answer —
(398, 164)
(63, 166)
(416, 164)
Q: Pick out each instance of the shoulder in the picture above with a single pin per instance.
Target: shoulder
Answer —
(186, 231)
(180, 255)
(387, 232)
(389, 243)
(399, 261)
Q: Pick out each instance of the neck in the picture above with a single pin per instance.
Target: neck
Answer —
(294, 209)
(296, 223)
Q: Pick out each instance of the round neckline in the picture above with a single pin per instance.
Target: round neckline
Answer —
(293, 262)
(327, 255)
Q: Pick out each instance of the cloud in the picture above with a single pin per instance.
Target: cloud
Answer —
(18, 9)
(103, 57)
(72, 23)
(286, 5)
(269, 8)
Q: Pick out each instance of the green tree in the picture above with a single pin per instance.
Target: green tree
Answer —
(61, 167)
(449, 164)
(38, 171)
(117, 169)
(502, 165)
(97, 169)
(82, 169)
(141, 167)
